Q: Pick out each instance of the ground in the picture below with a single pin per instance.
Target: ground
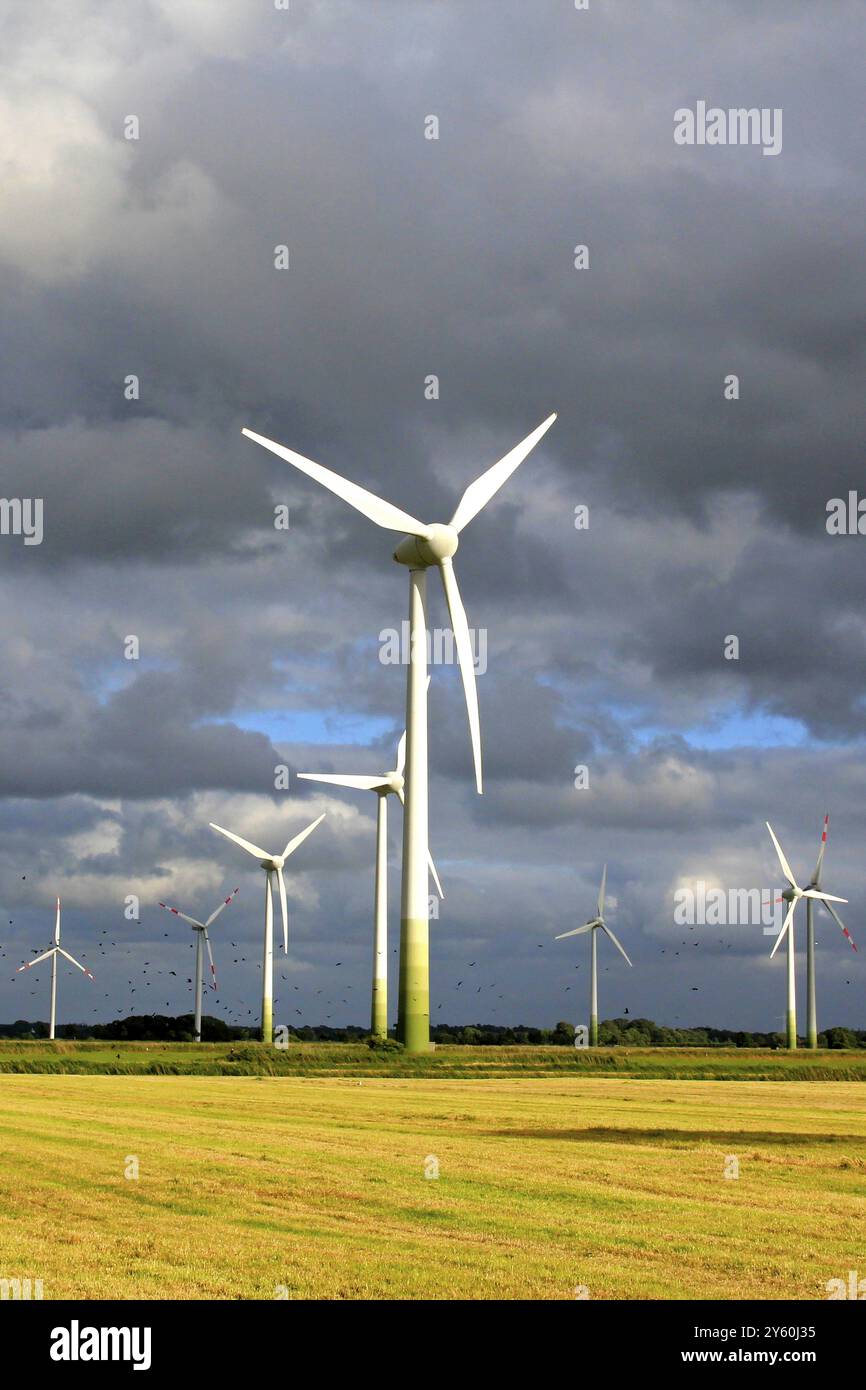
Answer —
(271, 1187)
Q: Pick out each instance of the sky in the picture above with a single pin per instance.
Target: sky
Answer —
(409, 258)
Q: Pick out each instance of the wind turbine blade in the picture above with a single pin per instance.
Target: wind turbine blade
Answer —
(460, 628)
(822, 897)
(392, 518)
(606, 929)
(431, 866)
(193, 921)
(216, 914)
(44, 956)
(364, 784)
(786, 867)
(244, 844)
(816, 877)
(838, 920)
(57, 925)
(785, 925)
(576, 931)
(73, 961)
(479, 493)
(299, 839)
(601, 891)
(283, 904)
(213, 983)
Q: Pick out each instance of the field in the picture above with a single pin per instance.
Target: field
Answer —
(357, 1060)
(314, 1186)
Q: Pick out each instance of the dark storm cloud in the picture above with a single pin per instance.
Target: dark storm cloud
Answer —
(411, 257)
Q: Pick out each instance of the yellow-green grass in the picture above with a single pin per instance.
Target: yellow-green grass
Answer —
(318, 1184)
(347, 1059)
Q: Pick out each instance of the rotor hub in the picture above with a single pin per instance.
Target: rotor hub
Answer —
(418, 552)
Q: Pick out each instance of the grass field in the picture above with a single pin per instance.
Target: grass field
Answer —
(357, 1060)
(248, 1185)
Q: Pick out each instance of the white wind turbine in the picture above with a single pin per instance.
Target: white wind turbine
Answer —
(423, 547)
(595, 924)
(383, 785)
(792, 896)
(202, 940)
(273, 867)
(55, 951)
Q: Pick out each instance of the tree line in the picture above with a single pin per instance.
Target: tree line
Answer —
(613, 1032)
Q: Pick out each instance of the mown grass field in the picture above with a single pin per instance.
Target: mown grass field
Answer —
(316, 1185)
(346, 1059)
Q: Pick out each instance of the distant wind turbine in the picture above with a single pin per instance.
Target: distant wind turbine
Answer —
(273, 867)
(424, 547)
(791, 895)
(202, 940)
(595, 924)
(55, 951)
(382, 785)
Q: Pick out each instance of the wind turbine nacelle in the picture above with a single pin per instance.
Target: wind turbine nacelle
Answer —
(418, 552)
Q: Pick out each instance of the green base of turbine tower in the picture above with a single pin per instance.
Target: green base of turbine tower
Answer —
(379, 1010)
(792, 1031)
(413, 1022)
(593, 1031)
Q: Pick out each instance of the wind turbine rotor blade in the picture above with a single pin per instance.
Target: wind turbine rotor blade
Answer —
(364, 784)
(816, 877)
(213, 983)
(460, 628)
(193, 921)
(44, 956)
(601, 891)
(432, 867)
(383, 513)
(401, 754)
(250, 848)
(607, 931)
(285, 910)
(479, 493)
(838, 920)
(822, 897)
(57, 925)
(785, 925)
(786, 867)
(224, 904)
(73, 961)
(299, 839)
(576, 931)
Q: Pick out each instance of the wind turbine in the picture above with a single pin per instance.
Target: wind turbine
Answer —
(202, 940)
(792, 896)
(383, 786)
(812, 891)
(595, 924)
(423, 547)
(55, 951)
(273, 867)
